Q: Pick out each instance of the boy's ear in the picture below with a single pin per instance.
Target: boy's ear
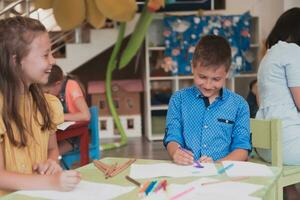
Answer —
(227, 75)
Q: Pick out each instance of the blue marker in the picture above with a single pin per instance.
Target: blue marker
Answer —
(223, 169)
(150, 187)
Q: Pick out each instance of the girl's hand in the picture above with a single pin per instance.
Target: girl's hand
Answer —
(48, 167)
(183, 156)
(206, 159)
(67, 180)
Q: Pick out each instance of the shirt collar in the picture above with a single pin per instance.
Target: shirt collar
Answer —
(199, 94)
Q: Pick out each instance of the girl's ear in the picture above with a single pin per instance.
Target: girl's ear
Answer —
(14, 59)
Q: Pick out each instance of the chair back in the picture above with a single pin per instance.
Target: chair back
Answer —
(94, 132)
(266, 134)
(70, 158)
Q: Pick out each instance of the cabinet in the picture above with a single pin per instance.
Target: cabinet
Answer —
(159, 85)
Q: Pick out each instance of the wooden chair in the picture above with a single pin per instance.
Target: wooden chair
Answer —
(266, 134)
(70, 158)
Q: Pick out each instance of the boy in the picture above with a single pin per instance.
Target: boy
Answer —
(252, 98)
(208, 122)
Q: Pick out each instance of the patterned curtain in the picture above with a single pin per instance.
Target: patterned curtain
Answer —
(182, 33)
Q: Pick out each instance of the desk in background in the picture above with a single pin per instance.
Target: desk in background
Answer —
(79, 129)
(91, 173)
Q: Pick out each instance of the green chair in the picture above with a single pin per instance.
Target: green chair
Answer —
(266, 134)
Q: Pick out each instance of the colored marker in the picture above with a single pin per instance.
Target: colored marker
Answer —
(154, 187)
(160, 185)
(197, 164)
(145, 186)
(223, 169)
(151, 185)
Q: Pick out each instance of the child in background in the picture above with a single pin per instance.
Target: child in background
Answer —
(252, 98)
(279, 87)
(208, 122)
(28, 147)
(72, 96)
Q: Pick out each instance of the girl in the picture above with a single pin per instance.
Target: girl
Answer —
(28, 119)
(72, 96)
(279, 86)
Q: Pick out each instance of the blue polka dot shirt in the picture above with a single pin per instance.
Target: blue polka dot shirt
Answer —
(213, 130)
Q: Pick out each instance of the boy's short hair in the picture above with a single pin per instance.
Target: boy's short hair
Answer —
(212, 50)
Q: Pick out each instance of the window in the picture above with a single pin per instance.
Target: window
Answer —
(116, 102)
(103, 125)
(129, 103)
(102, 104)
(130, 124)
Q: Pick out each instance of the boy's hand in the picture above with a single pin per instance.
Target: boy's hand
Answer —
(206, 159)
(183, 156)
(49, 167)
(67, 180)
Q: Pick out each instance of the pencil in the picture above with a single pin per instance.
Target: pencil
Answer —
(198, 165)
(144, 187)
(226, 180)
(160, 185)
(177, 196)
(99, 166)
(133, 181)
(150, 187)
(110, 170)
(223, 169)
(122, 167)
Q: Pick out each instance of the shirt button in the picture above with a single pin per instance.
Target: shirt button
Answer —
(207, 108)
(205, 126)
(204, 146)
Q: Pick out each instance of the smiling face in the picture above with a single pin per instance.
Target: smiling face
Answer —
(210, 80)
(37, 64)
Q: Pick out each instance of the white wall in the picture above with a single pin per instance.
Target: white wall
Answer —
(267, 11)
(291, 3)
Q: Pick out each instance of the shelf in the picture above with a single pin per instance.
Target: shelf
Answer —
(161, 107)
(160, 48)
(157, 136)
(245, 75)
(162, 78)
(185, 77)
(254, 45)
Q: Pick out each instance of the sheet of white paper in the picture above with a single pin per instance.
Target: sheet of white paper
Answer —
(247, 169)
(85, 190)
(63, 126)
(170, 170)
(226, 188)
(224, 191)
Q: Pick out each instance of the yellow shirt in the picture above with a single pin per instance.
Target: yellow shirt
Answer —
(22, 159)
